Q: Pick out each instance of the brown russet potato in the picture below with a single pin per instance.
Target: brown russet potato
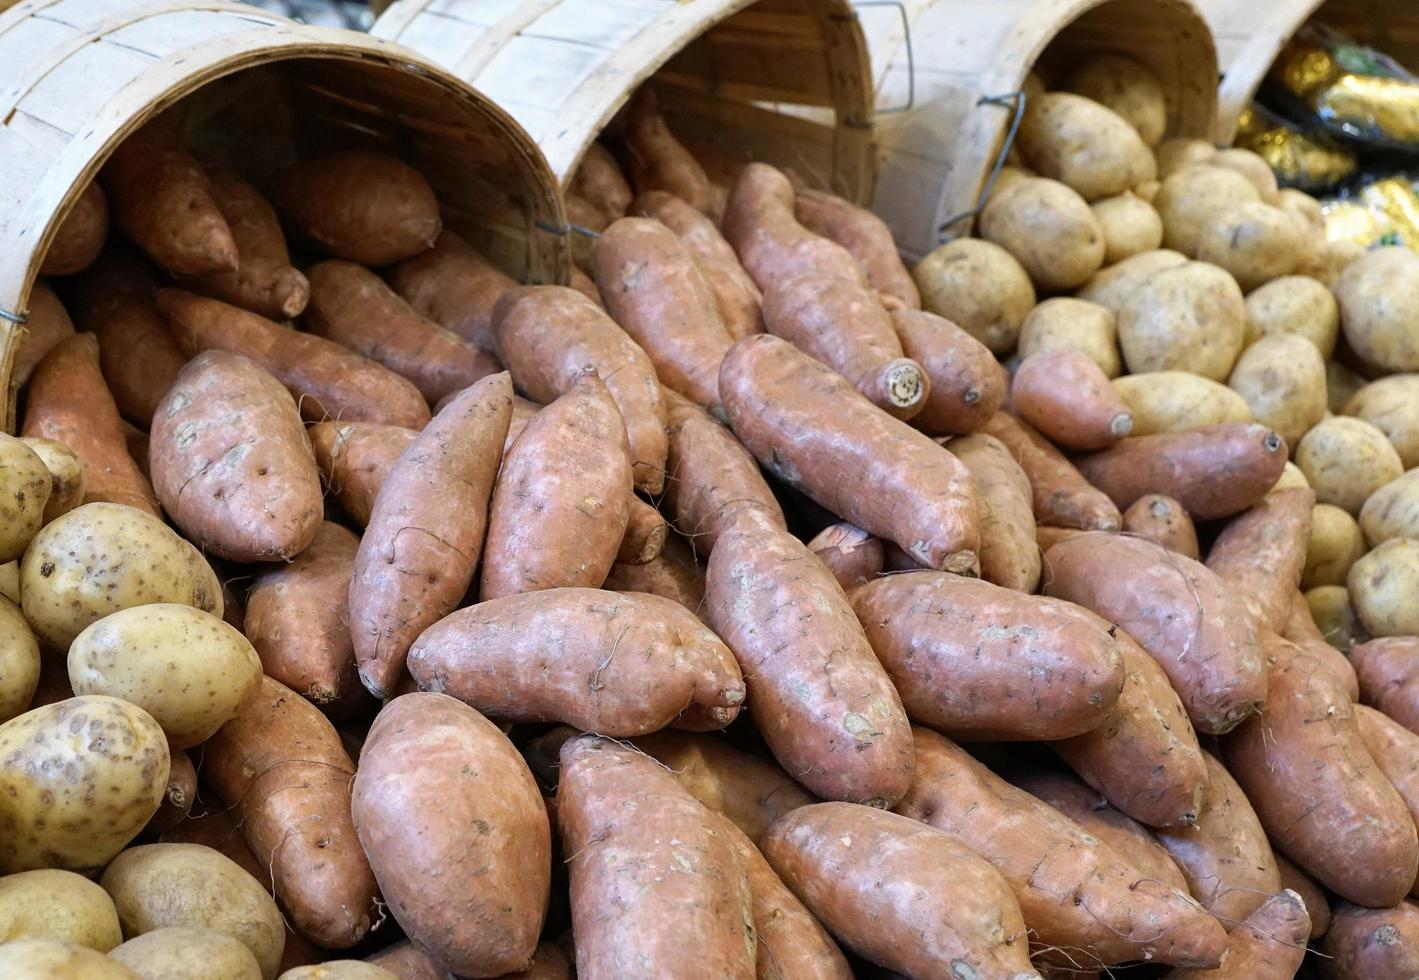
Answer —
(1389, 404)
(1130, 225)
(1081, 143)
(1382, 585)
(1126, 86)
(1170, 401)
(1346, 460)
(66, 475)
(1190, 317)
(1110, 286)
(1282, 379)
(47, 903)
(1162, 520)
(1256, 242)
(25, 488)
(1296, 305)
(1336, 540)
(264, 281)
(1376, 297)
(1062, 497)
(55, 958)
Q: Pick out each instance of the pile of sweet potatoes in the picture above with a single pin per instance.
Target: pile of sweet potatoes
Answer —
(732, 611)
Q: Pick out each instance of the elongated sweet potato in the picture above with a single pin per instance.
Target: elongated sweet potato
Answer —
(772, 246)
(370, 208)
(442, 800)
(80, 236)
(817, 693)
(231, 462)
(264, 281)
(652, 287)
(1047, 537)
(598, 181)
(1301, 630)
(659, 162)
(1225, 854)
(900, 893)
(138, 355)
(645, 535)
(69, 403)
(1320, 796)
(1214, 471)
(966, 382)
(298, 618)
(1162, 520)
(327, 380)
(841, 323)
(1299, 882)
(985, 663)
(735, 295)
(1009, 555)
(280, 765)
(1144, 759)
(548, 335)
(355, 459)
(425, 534)
(808, 426)
(1062, 497)
(1362, 943)
(178, 796)
(1074, 891)
(673, 574)
(851, 554)
(408, 962)
(1068, 398)
(353, 307)
(1388, 672)
(658, 887)
(1269, 945)
(49, 324)
(163, 201)
(1261, 554)
(1395, 750)
(1181, 612)
(864, 235)
(453, 286)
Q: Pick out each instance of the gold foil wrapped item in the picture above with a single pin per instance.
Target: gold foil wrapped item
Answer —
(1297, 159)
(1351, 88)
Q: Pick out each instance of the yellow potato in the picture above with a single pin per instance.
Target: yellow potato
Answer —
(1291, 478)
(10, 581)
(1330, 260)
(160, 885)
(1296, 305)
(1048, 228)
(1335, 544)
(1129, 88)
(100, 558)
(1253, 241)
(52, 904)
(50, 959)
(1170, 401)
(1334, 616)
(1008, 177)
(1282, 379)
(1191, 197)
(66, 472)
(81, 778)
(339, 970)
(978, 286)
(1091, 148)
(1249, 165)
(1179, 153)
(1379, 307)
(1346, 460)
(187, 953)
(1147, 190)
(1392, 406)
(1131, 226)
(1076, 324)
(1302, 206)
(19, 661)
(1110, 286)
(24, 490)
(1187, 318)
(136, 653)
(1392, 511)
(1383, 585)
(1341, 385)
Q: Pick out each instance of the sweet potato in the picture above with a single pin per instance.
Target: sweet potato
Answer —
(1066, 396)
(652, 287)
(772, 246)
(658, 888)
(1214, 471)
(163, 202)
(735, 295)
(280, 765)
(710, 476)
(1388, 672)
(810, 428)
(841, 323)
(408, 962)
(298, 618)
(1047, 537)
(659, 162)
(231, 462)
(453, 286)
(1395, 750)
(851, 554)
(443, 801)
(673, 574)
(327, 380)
(598, 181)
(439, 488)
(367, 207)
(1269, 945)
(900, 893)
(966, 383)
(1363, 943)
(48, 325)
(1075, 892)
(1162, 520)
(1225, 855)
(1009, 555)
(1178, 610)
(585, 285)
(1301, 630)
(1260, 554)
(1062, 497)
(817, 692)
(80, 236)
(1144, 759)
(69, 403)
(645, 534)
(1320, 796)
(178, 796)
(1297, 881)
(138, 355)
(864, 235)
(353, 307)
(355, 459)
(264, 280)
(548, 335)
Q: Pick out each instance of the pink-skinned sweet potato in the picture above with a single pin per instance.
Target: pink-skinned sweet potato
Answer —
(1009, 553)
(659, 162)
(967, 383)
(1261, 553)
(866, 237)
(645, 535)
(1268, 945)
(1388, 672)
(1395, 750)
(1162, 520)
(264, 281)
(673, 574)
(138, 355)
(81, 235)
(453, 286)
(851, 554)
(48, 325)
(1062, 497)
(1366, 943)
(1067, 396)
(772, 246)
(355, 459)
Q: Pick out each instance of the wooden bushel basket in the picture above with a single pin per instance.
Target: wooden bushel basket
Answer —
(935, 157)
(261, 91)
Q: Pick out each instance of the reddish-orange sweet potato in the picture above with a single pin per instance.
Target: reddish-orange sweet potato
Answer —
(80, 236)
(620, 665)
(1187, 618)
(900, 893)
(672, 574)
(1299, 882)
(808, 426)
(652, 287)
(1062, 497)
(851, 554)
(407, 962)
(327, 380)
(1065, 395)
(1075, 892)
(1364, 944)
(138, 355)
(549, 335)
(645, 535)
(178, 796)
(985, 663)
(1214, 471)
(1009, 554)
(562, 498)
(866, 236)
(453, 286)
(231, 462)
(69, 403)
(298, 618)
(658, 887)
(353, 307)
(659, 162)
(1317, 790)
(772, 245)
(1269, 945)
(1395, 750)
(281, 766)
(48, 325)
(425, 534)
(817, 692)
(966, 383)
(598, 181)
(1388, 672)
(264, 280)
(456, 833)
(355, 459)
(1302, 630)
(1261, 553)
(1162, 520)
(370, 208)
(1047, 537)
